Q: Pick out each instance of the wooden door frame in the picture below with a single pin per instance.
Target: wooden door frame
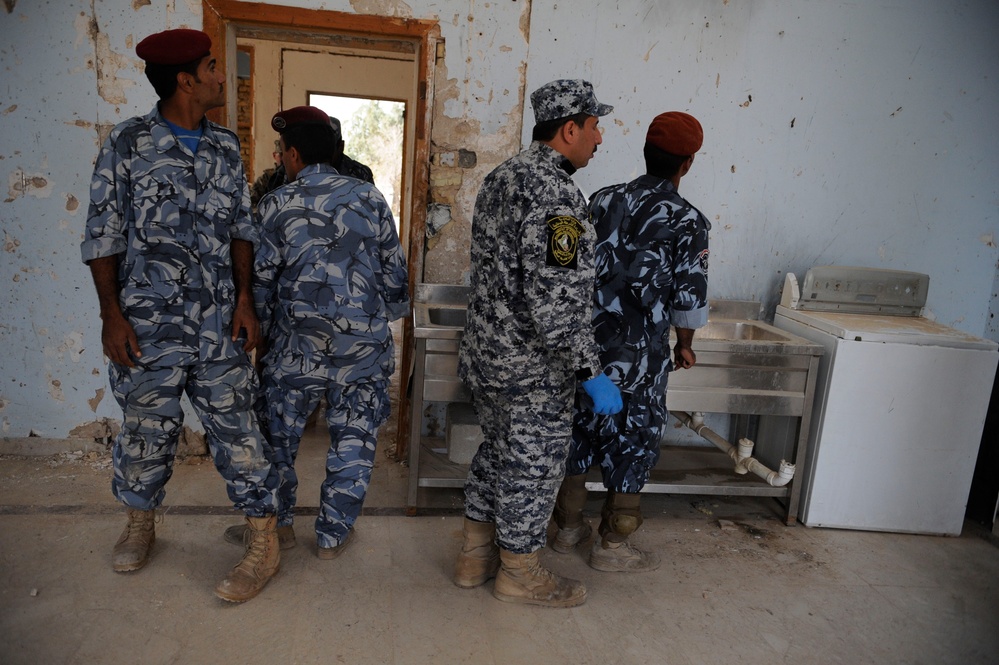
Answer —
(220, 20)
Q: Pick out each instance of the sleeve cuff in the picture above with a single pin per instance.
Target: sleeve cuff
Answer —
(101, 247)
(694, 318)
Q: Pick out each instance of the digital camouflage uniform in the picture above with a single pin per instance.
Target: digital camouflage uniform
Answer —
(169, 216)
(528, 332)
(331, 276)
(651, 273)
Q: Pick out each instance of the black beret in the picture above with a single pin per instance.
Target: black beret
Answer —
(174, 47)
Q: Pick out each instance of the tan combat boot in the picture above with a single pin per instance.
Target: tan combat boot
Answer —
(568, 515)
(522, 579)
(132, 549)
(238, 533)
(479, 558)
(260, 562)
(611, 552)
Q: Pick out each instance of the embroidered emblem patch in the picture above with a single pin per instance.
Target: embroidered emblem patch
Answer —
(702, 259)
(563, 241)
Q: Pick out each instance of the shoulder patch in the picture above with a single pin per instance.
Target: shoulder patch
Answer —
(564, 233)
(702, 259)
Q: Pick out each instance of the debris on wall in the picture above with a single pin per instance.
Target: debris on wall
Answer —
(55, 389)
(103, 131)
(191, 443)
(20, 182)
(107, 63)
(461, 156)
(438, 216)
(104, 430)
(95, 401)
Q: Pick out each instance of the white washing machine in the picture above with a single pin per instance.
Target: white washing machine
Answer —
(900, 402)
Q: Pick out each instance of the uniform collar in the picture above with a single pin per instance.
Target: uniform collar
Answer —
(310, 169)
(557, 159)
(655, 182)
(163, 136)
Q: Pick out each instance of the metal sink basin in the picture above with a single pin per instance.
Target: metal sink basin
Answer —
(440, 314)
(439, 310)
(446, 316)
(741, 331)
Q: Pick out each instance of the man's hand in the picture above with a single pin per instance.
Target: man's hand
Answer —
(244, 321)
(244, 318)
(119, 338)
(684, 356)
(117, 334)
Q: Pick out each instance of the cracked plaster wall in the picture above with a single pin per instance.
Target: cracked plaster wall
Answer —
(836, 133)
(839, 132)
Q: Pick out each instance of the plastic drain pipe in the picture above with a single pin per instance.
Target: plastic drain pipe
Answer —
(742, 456)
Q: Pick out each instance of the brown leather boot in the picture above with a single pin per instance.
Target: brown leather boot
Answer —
(238, 533)
(568, 514)
(260, 562)
(611, 551)
(479, 558)
(131, 552)
(522, 579)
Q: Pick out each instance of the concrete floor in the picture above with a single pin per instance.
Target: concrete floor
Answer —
(736, 585)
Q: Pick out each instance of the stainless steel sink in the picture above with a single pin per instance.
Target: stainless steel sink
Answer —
(446, 316)
(440, 313)
(439, 310)
(744, 366)
(738, 331)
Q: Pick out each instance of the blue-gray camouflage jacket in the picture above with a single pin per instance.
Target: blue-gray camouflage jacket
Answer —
(651, 272)
(532, 274)
(170, 215)
(330, 275)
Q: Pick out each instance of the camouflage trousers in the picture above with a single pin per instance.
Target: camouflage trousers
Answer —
(354, 413)
(625, 445)
(222, 395)
(516, 472)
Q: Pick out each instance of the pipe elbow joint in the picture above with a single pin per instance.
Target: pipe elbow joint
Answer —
(783, 476)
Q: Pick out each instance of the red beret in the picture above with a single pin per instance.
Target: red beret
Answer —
(174, 47)
(299, 115)
(676, 133)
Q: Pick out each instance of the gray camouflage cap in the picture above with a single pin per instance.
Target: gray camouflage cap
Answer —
(566, 97)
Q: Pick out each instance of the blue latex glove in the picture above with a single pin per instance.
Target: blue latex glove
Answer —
(605, 395)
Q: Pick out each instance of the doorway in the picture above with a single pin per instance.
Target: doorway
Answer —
(382, 40)
(308, 74)
(373, 133)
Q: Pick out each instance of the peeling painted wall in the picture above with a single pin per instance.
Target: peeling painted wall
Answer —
(836, 132)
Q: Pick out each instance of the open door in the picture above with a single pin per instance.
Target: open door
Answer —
(365, 75)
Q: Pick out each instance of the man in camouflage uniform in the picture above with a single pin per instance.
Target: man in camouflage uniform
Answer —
(170, 245)
(527, 342)
(652, 272)
(269, 180)
(343, 164)
(331, 275)
(273, 178)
